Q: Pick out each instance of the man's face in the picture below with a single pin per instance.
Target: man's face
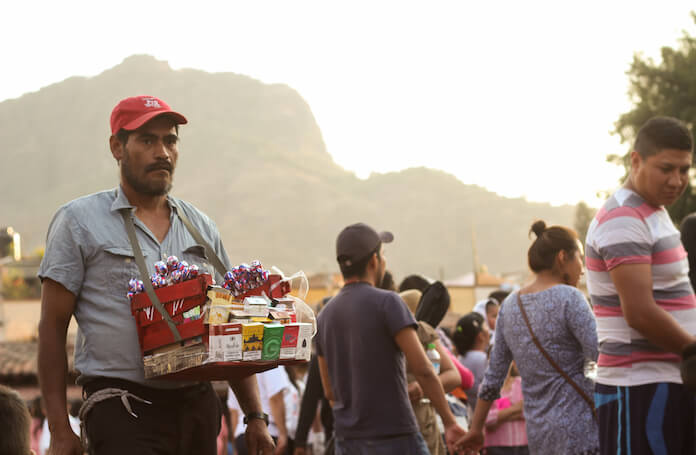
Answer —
(382, 265)
(661, 178)
(148, 158)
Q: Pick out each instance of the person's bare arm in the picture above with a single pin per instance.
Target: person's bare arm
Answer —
(449, 376)
(473, 440)
(257, 437)
(634, 284)
(57, 307)
(278, 412)
(419, 365)
(325, 379)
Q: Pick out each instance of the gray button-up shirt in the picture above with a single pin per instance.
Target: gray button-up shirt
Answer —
(88, 252)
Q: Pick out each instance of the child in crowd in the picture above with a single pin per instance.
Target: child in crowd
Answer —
(505, 425)
(15, 424)
(471, 338)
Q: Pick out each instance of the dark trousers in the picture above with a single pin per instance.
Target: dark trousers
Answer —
(648, 419)
(178, 422)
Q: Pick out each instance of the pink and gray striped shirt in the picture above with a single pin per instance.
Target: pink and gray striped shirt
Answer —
(627, 230)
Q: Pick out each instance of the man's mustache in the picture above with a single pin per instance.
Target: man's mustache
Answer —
(159, 166)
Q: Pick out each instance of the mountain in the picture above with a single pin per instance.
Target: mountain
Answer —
(253, 158)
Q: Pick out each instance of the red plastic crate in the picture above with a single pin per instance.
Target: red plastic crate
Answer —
(153, 331)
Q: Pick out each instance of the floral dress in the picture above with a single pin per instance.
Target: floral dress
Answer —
(559, 421)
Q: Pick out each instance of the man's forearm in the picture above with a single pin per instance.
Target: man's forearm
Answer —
(247, 392)
(53, 369)
(659, 327)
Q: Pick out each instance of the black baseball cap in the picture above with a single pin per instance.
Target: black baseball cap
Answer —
(357, 241)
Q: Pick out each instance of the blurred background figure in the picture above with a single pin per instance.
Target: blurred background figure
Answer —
(15, 424)
(471, 337)
(559, 416)
(505, 426)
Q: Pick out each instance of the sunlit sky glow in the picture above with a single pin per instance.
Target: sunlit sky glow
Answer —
(518, 97)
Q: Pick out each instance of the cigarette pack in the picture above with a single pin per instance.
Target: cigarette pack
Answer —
(272, 336)
(288, 346)
(304, 341)
(225, 342)
(252, 335)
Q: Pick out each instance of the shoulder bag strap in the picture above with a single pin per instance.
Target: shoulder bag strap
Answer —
(567, 378)
(209, 251)
(144, 275)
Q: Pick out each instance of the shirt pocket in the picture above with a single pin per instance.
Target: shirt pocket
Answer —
(195, 254)
(121, 267)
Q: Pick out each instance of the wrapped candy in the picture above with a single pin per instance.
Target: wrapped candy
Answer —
(161, 268)
(172, 263)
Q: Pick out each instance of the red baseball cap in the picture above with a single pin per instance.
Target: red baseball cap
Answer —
(132, 113)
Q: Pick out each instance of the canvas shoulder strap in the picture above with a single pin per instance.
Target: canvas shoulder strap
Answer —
(553, 363)
(209, 251)
(144, 275)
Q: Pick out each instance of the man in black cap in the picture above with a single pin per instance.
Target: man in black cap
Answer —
(366, 335)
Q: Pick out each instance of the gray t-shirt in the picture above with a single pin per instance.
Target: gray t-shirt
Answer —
(366, 367)
(88, 252)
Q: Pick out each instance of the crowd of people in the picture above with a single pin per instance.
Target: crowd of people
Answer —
(386, 376)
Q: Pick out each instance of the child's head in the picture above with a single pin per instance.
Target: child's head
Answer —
(471, 333)
(14, 422)
(492, 309)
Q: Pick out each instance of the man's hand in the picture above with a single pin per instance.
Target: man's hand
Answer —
(282, 445)
(65, 443)
(453, 433)
(415, 392)
(471, 443)
(258, 439)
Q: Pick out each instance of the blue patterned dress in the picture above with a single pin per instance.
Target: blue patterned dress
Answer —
(559, 421)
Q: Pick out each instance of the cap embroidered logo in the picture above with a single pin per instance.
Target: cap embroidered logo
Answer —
(151, 102)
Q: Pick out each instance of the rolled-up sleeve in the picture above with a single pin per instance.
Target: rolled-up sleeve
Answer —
(63, 260)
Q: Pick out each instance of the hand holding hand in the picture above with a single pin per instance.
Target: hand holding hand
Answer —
(453, 433)
(472, 442)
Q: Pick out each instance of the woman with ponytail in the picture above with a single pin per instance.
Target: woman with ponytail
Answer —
(549, 311)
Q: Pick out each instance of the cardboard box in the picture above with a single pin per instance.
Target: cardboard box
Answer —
(225, 342)
(272, 338)
(252, 336)
(304, 341)
(288, 346)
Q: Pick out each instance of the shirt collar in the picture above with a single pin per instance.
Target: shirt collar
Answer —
(122, 202)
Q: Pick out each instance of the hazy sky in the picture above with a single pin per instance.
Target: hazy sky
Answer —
(519, 97)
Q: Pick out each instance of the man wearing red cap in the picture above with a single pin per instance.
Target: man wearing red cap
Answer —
(90, 257)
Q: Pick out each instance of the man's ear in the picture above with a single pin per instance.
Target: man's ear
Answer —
(116, 148)
(636, 160)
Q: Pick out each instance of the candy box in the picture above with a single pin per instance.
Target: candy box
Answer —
(272, 336)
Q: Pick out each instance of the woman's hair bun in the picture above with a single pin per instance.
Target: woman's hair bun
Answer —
(538, 228)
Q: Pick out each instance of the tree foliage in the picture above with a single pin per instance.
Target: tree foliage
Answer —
(583, 217)
(668, 88)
